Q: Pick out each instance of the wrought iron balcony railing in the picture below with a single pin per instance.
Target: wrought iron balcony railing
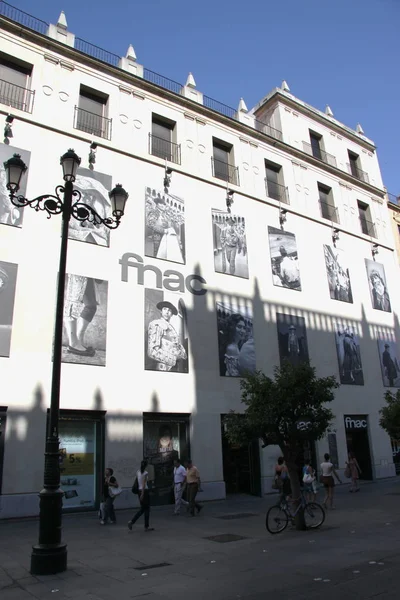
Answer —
(357, 172)
(16, 96)
(393, 199)
(368, 227)
(329, 211)
(92, 123)
(328, 159)
(225, 171)
(276, 191)
(268, 130)
(165, 149)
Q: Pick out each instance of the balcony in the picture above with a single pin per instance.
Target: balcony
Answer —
(16, 96)
(268, 130)
(393, 199)
(92, 123)
(165, 149)
(367, 227)
(225, 171)
(276, 191)
(357, 172)
(328, 159)
(329, 211)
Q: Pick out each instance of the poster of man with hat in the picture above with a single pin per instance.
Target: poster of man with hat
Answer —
(94, 188)
(166, 344)
(390, 362)
(230, 245)
(292, 338)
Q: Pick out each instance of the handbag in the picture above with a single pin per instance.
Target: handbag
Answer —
(308, 478)
(347, 472)
(113, 492)
(135, 487)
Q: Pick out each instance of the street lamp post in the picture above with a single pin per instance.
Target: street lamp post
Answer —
(49, 556)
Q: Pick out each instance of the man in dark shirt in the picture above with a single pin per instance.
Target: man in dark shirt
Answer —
(109, 513)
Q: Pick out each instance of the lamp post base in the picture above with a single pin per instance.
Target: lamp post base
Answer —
(48, 559)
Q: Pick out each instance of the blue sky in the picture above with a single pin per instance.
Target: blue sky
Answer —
(344, 53)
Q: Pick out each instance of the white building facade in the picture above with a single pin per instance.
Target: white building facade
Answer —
(164, 314)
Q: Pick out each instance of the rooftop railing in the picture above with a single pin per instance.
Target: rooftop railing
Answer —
(394, 199)
(328, 159)
(19, 16)
(268, 130)
(16, 96)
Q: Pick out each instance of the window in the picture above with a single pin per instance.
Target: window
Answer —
(354, 163)
(274, 182)
(91, 114)
(327, 205)
(316, 145)
(14, 84)
(223, 162)
(364, 213)
(161, 139)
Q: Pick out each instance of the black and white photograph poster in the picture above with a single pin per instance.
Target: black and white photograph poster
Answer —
(390, 362)
(85, 320)
(292, 338)
(237, 354)
(349, 355)
(284, 260)
(230, 246)
(94, 188)
(338, 274)
(166, 332)
(164, 226)
(377, 285)
(8, 280)
(10, 214)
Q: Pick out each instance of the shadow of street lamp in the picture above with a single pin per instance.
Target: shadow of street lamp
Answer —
(49, 556)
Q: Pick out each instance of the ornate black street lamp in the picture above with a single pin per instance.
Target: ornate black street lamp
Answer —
(50, 554)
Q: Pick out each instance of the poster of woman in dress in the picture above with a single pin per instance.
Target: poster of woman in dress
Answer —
(85, 320)
(377, 285)
(10, 214)
(390, 362)
(166, 334)
(284, 259)
(8, 280)
(164, 226)
(94, 188)
(230, 245)
(235, 341)
(349, 355)
(292, 338)
(338, 274)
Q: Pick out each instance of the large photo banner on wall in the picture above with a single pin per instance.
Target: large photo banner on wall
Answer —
(338, 274)
(164, 226)
(377, 285)
(390, 362)
(166, 332)
(349, 355)
(292, 338)
(284, 259)
(10, 214)
(235, 340)
(230, 245)
(8, 280)
(85, 320)
(94, 188)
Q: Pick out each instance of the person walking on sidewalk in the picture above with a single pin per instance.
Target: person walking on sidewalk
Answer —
(179, 484)
(355, 472)
(327, 472)
(144, 498)
(109, 512)
(193, 485)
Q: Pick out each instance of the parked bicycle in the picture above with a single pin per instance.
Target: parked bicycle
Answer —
(278, 516)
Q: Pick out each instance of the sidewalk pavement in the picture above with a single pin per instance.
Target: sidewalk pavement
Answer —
(356, 553)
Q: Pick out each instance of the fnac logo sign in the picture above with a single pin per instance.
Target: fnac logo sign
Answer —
(355, 422)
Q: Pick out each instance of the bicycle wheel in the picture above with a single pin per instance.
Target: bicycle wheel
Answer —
(276, 519)
(314, 515)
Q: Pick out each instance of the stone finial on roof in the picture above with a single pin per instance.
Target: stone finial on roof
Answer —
(190, 82)
(62, 20)
(130, 53)
(242, 106)
(328, 111)
(285, 86)
(359, 129)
